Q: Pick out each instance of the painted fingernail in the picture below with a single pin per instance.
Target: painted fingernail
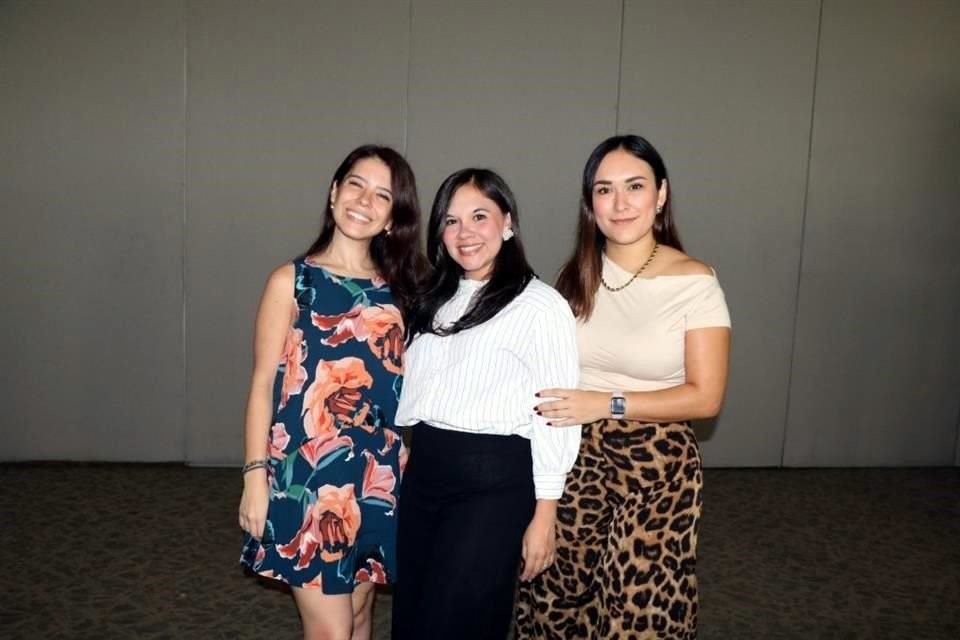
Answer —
(537, 394)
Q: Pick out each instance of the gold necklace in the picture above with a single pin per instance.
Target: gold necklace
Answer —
(630, 281)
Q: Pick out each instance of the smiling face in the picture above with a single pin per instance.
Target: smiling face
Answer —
(472, 231)
(363, 200)
(625, 197)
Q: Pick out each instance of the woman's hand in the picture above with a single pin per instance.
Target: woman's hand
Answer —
(254, 502)
(540, 540)
(568, 407)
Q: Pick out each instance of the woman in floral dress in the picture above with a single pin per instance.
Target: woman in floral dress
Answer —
(323, 460)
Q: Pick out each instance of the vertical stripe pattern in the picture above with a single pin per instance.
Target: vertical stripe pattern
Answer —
(483, 380)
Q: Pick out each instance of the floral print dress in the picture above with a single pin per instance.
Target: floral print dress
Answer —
(335, 458)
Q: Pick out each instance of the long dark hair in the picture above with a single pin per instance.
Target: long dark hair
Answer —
(510, 274)
(396, 256)
(579, 278)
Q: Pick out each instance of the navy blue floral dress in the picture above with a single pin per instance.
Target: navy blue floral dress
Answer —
(335, 458)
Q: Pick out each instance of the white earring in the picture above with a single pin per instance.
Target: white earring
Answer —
(507, 234)
(659, 209)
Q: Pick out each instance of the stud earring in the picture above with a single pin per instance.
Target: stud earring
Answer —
(507, 234)
(659, 209)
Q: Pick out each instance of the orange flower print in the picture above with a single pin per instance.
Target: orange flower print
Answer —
(390, 438)
(333, 398)
(378, 481)
(323, 446)
(380, 326)
(373, 572)
(279, 439)
(330, 525)
(294, 374)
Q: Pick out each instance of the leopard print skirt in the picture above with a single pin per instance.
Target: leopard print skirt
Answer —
(627, 536)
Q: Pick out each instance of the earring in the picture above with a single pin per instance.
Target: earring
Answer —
(387, 231)
(659, 209)
(507, 234)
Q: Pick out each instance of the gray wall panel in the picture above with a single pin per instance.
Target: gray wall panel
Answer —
(877, 349)
(91, 127)
(277, 95)
(724, 90)
(524, 88)
(159, 159)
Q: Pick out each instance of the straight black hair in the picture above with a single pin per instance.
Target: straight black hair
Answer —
(510, 274)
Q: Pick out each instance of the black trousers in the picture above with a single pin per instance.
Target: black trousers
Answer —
(465, 502)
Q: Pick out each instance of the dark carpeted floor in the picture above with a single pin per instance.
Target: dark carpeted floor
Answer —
(130, 551)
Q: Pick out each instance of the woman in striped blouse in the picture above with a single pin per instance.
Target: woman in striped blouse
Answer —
(485, 471)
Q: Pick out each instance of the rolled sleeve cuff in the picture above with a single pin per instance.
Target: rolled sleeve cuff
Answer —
(549, 486)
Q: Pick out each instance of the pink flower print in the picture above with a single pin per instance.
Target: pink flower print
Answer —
(390, 438)
(294, 374)
(279, 439)
(330, 525)
(323, 446)
(345, 325)
(334, 396)
(373, 572)
(381, 327)
(378, 482)
(388, 345)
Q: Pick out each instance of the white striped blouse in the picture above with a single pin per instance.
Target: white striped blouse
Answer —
(482, 380)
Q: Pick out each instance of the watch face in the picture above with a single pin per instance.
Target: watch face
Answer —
(618, 406)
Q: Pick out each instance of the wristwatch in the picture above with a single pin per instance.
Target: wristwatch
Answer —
(618, 405)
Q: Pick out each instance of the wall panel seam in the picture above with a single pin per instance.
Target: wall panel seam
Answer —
(616, 114)
(184, 410)
(406, 86)
(803, 233)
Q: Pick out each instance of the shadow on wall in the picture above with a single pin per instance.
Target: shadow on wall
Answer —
(704, 429)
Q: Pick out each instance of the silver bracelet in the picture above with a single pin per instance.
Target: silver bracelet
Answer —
(254, 464)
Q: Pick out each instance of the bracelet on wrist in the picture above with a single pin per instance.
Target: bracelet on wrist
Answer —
(262, 463)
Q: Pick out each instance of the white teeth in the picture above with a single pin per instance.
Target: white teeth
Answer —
(470, 249)
(358, 217)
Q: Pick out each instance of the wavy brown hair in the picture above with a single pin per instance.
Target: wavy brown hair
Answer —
(397, 255)
(579, 277)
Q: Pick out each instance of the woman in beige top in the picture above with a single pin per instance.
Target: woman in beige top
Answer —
(653, 340)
